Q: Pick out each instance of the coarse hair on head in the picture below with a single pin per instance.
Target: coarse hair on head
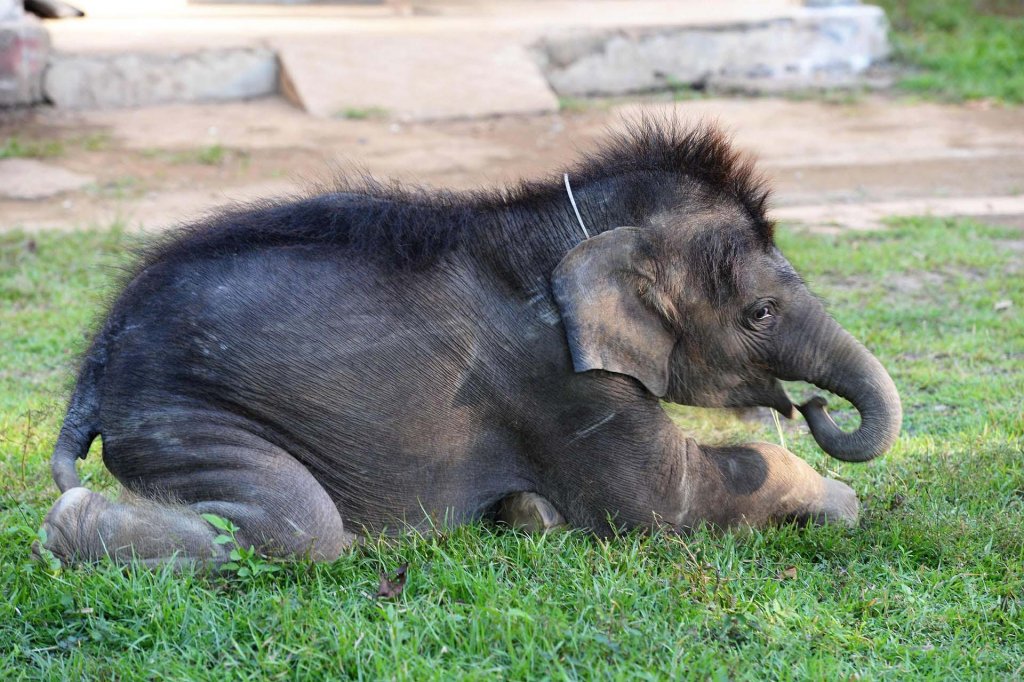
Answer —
(702, 153)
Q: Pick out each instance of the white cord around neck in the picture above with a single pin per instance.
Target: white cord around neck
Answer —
(572, 200)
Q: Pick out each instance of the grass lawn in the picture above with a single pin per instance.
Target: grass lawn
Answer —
(960, 49)
(931, 585)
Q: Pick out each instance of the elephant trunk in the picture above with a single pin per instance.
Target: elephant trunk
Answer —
(833, 360)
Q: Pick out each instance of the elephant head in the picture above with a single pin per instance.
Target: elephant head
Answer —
(702, 309)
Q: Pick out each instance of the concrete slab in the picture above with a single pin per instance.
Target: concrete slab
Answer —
(412, 77)
(28, 179)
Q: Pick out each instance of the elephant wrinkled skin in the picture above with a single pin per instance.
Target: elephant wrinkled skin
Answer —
(378, 357)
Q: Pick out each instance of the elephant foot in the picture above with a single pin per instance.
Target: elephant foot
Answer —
(64, 524)
(529, 512)
(839, 505)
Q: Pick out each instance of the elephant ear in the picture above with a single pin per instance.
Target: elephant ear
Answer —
(609, 326)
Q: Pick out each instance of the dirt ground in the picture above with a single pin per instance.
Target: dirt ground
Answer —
(844, 164)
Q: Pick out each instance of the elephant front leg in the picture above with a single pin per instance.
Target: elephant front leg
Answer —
(529, 512)
(758, 484)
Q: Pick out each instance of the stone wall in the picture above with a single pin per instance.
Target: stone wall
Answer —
(131, 79)
(825, 43)
(815, 45)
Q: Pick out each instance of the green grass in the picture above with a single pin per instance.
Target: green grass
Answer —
(18, 147)
(931, 586)
(962, 49)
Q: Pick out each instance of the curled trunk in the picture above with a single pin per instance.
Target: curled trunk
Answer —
(830, 358)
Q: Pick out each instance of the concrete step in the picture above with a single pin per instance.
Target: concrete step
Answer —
(419, 77)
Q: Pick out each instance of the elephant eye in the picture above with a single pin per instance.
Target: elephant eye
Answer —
(763, 312)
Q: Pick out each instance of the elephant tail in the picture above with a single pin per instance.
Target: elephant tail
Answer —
(82, 421)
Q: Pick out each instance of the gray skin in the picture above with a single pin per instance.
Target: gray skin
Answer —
(362, 400)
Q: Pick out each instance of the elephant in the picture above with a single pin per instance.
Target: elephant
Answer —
(381, 357)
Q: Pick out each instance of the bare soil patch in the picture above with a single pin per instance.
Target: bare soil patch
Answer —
(158, 166)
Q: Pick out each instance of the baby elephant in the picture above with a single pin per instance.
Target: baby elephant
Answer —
(377, 358)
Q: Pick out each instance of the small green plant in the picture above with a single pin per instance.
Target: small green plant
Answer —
(843, 96)
(213, 155)
(244, 562)
(683, 92)
(21, 534)
(46, 557)
(579, 105)
(18, 148)
(95, 142)
(572, 105)
(210, 155)
(362, 113)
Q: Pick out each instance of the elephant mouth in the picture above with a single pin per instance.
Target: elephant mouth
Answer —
(780, 402)
(810, 409)
(784, 405)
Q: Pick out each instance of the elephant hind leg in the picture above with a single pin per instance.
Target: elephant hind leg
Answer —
(86, 526)
(277, 505)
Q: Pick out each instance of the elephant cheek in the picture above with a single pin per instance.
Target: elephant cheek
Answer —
(699, 394)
